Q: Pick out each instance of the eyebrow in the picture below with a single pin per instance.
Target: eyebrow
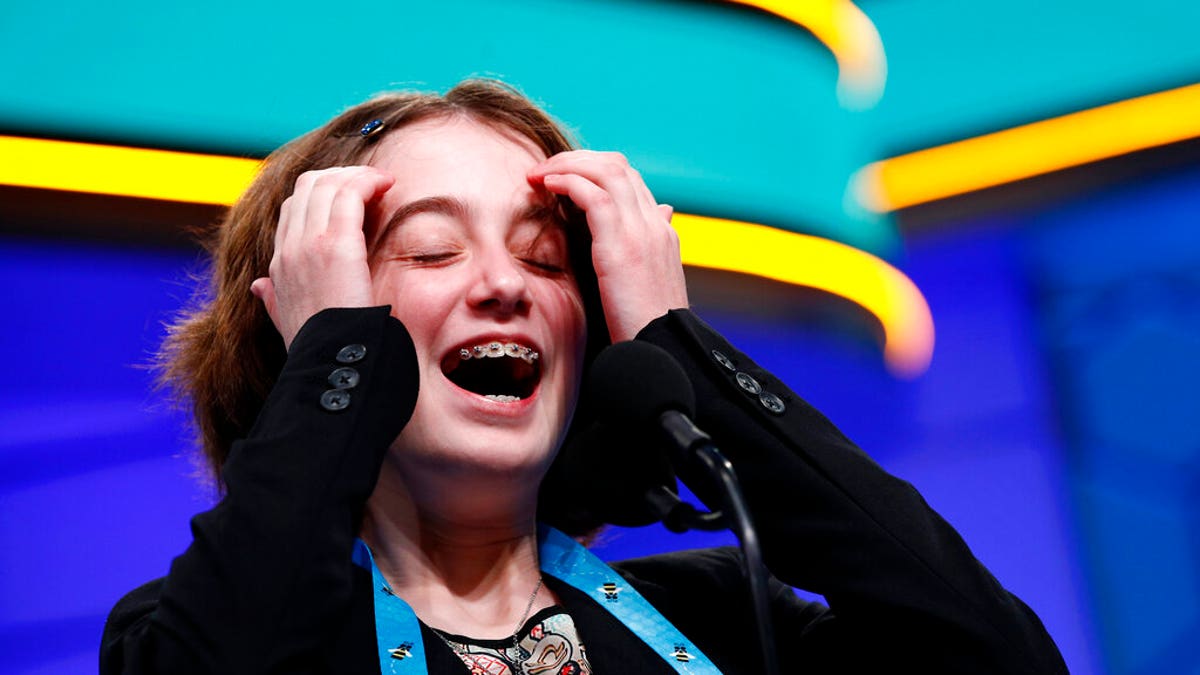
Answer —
(546, 214)
(442, 205)
(542, 213)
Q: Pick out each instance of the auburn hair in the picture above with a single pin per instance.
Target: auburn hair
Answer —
(224, 355)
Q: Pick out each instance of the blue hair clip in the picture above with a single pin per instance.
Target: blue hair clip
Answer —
(371, 127)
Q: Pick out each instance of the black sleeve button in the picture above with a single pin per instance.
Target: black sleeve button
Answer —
(772, 402)
(344, 378)
(723, 360)
(748, 383)
(352, 353)
(335, 400)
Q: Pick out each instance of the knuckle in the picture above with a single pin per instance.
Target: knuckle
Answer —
(617, 158)
(322, 244)
(612, 170)
(328, 247)
(603, 200)
(347, 194)
(324, 189)
(346, 210)
(319, 180)
(305, 180)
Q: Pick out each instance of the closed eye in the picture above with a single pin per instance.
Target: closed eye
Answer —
(544, 265)
(429, 258)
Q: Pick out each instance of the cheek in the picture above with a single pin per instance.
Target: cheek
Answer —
(415, 301)
(568, 322)
(387, 288)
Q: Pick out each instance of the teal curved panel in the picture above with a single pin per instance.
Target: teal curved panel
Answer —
(958, 69)
(726, 111)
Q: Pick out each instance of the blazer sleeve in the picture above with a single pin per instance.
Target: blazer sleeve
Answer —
(268, 576)
(904, 589)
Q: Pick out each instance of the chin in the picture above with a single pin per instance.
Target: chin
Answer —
(475, 452)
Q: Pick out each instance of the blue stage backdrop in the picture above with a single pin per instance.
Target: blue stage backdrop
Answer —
(1053, 428)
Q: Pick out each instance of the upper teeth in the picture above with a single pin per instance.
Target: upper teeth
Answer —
(493, 350)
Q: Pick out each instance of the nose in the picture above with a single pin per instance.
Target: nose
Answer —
(500, 285)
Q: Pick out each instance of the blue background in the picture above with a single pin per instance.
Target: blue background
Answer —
(1056, 426)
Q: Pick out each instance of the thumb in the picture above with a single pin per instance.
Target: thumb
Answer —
(264, 289)
(666, 210)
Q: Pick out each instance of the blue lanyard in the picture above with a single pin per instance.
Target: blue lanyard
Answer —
(398, 633)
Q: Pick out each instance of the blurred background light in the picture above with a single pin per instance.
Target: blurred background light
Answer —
(1031, 150)
(126, 172)
(849, 34)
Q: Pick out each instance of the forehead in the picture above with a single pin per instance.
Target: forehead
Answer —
(455, 155)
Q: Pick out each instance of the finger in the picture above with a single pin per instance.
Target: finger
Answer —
(338, 197)
(666, 211)
(574, 159)
(609, 170)
(264, 289)
(313, 189)
(596, 202)
(298, 204)
(322, 190)
(599, 167)
(284, 225)
(348, 211)
(295, 217)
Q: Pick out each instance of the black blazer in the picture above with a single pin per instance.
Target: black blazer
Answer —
(267, 584)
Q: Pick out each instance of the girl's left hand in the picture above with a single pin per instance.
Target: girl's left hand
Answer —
(634, 248)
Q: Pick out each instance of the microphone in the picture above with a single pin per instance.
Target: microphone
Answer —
(638, 381)
(603, 475)
(614, 469)
(640, 392)
(640, 385)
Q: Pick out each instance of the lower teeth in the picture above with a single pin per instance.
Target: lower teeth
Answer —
(503, 398)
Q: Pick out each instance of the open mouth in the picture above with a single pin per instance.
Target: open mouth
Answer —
(500, 371)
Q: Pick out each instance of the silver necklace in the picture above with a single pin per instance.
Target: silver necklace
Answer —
(516, 635)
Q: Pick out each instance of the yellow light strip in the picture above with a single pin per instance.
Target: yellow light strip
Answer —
(826, 265)
(129, 172)
(1030, 150)
(842, 27)
(728, 245)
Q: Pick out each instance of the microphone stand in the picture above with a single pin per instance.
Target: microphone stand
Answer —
(680, 517)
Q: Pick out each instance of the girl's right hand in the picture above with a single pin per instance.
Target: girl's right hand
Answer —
(320, 258)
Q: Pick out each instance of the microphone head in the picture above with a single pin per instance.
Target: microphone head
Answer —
(606, 468)
(634, 383)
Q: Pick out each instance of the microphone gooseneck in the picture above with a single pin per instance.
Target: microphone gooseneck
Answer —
(640, 387)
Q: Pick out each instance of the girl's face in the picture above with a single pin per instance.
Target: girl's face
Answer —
(473, 260)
